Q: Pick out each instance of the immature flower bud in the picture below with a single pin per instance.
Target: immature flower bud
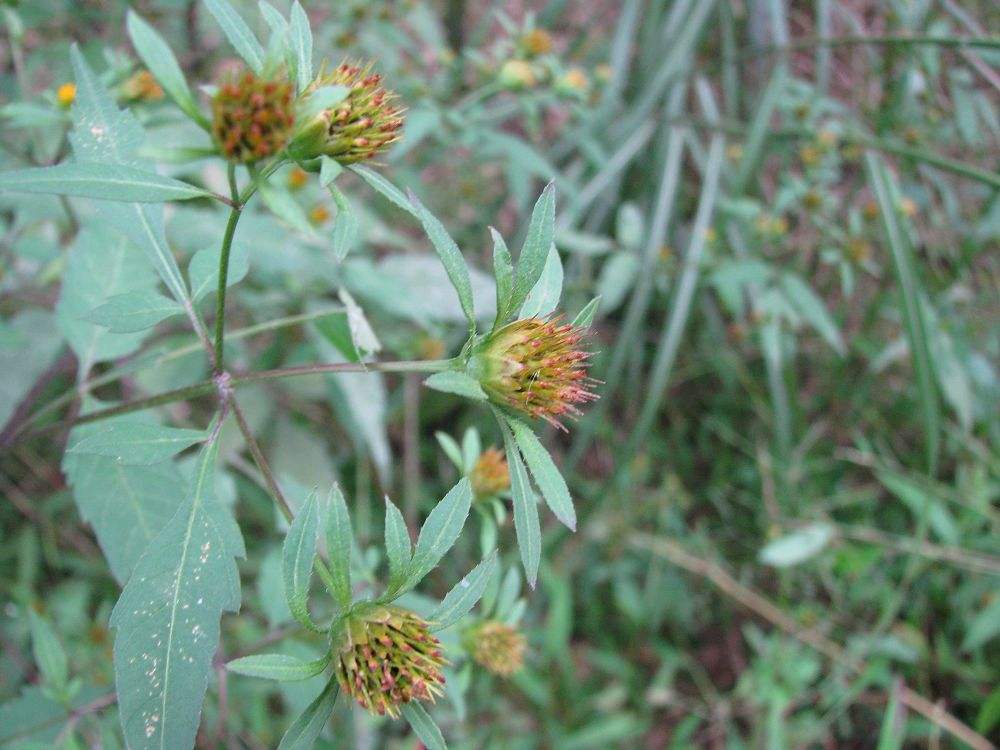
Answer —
(574, 82)
(141, 86)
(517, 74)
(497, 646)
(533, 366)
(387, 657)
(537, 42)
(365, 123)
(490, 475)
(252, 117)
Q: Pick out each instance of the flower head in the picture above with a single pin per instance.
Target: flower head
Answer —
(517, 74)
(490, 475)
(534, 366)
(537, 42)
(252, 117)
(141, 86)
(387, 657)
(361, 125)
(497, 646)
(65, 94)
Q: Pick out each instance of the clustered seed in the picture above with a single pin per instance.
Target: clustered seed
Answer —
(534, 366)
(252, 117)
(388, 658)
(490, 474)
(498, 647)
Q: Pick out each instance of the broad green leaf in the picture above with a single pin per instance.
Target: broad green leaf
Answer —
(50, 657)
(808, 304)
(31, 346)
(278, 667)
(100, 264)
(451, 381)
(423, 726)
(136, 443)
(797, 546)
(298, 554)
(203, 269)
(338, 547)
(125, 505)
(451, 257)
(535, 251)
(389, 191)
(398, 548)
(463, 596)
(544, 296)
(134, 311)
(548, 478)
(109, 182)
(105, 135)
(302, 734)
(440, 530)
(302, 45)
(238, 33)
(503, 271)
(167, 618)
(526, 525)
(585, 317)
(159, 58)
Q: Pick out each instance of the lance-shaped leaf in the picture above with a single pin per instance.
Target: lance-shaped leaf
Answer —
(159, 58)
(526, 525)
(387, 190)
(440, 531)
(544, 296)
(452, 381)
(535, 251)
(238, 33)
(136, 443)
(338, 546)
(167, 618)
(302, 734)
(503, 272)
(302, 45)
(297, 555)
(134, 311)
(107, 182)
(585, 317)
(398, 548)
(278, 667)
(463, 596)
(548, 478)
(423, 726)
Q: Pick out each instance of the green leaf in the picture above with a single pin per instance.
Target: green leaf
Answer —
(452, 381)
(238, 33)
(463, 596)
(21, 363)
(503, 271)
(109, 182)
(285, 207)
(105, 135)
(345, 233)
(440, 530)
(203, 269)
(548, 478)
(585, 317)
(49, 654)
(134, 311)
(451, 257)
(797, 546)
(544, 296)
(302, 734)
(329, 170)
(984, 627)
(34, 719)
(451, 449)
(159, 58)
(125, 505)
(382, 186)
(278, 667)
(808, 304)
(526, 525)
(167, 618)
(338, 547)
(136, 443)
(398, 548)
(893, 731)
(423, 726)
(535, 251)
(298, 554)
(302, 45)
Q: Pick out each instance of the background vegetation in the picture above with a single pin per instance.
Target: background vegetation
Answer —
(787, 495)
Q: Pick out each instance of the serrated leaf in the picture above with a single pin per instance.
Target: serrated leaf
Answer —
(526, 525)
(167, 618)
(544, 296)
(398, 547)
(797, 546)
(463, 596)
(382, 186)
(302, 45)
(159, 58)
(136, 443)
(452, 381)
(338, 546)
(547, 476)
(503, 272)
(423, 726)
(298, 553)
(278, 667)
(451, 257)
(302, 734)
(115, 182)
(535, 251)
(134, 311)
(203, 269)
(440, 530)
(238, 33)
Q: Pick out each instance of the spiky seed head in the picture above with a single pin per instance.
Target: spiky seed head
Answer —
(386, 657)
(534, 366)
(252, 117)
(497, 646)
(490, 474)
(360, 126)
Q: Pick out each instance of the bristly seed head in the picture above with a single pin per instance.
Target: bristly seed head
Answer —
(535, 367)
(497, 646)
(252, 117)
(388, 657)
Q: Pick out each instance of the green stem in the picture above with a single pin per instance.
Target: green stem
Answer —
(220, 298)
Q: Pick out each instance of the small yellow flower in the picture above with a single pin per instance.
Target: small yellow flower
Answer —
(319, 214)
(603, 72)
(812, 200)
(65, 94)
(810, 155)
(909, 207)
(297, 178)
(858, 250)
(734, 152)
(573, 82)
(827, 138)
(537, 42)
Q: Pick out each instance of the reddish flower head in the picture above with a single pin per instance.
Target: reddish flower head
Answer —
(252, 117)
